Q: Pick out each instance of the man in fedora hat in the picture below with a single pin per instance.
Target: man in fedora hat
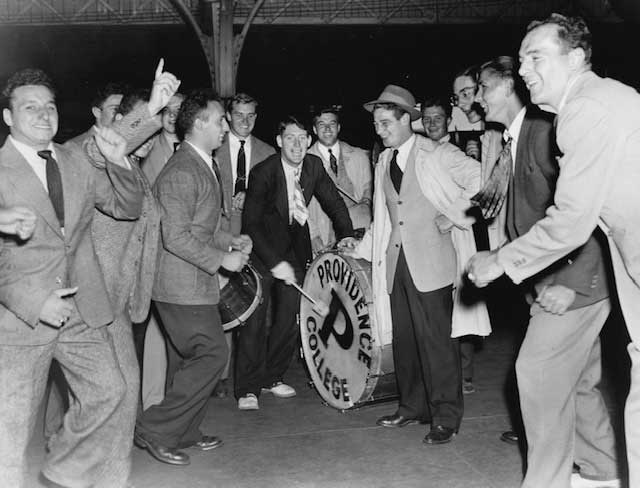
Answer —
(414, 262)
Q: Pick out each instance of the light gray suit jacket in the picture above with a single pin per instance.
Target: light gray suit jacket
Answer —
(51, 259)
(156, 159)
(193, 245)
(259, 152)
(598, 133)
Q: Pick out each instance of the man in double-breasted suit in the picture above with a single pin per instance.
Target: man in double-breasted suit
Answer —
(275, 217)
(565, 417)
(186, 289)
(414, 264)
(53, 299)
(238, 155)
(350, 170)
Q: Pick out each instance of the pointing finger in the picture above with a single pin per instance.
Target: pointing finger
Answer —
(160, 68)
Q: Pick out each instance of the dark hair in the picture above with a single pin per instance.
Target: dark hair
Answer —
(290, 120)
(24, 77)
(132, 98)
(437, 101)
(107, 90)
(470, 71)
(240, 98)
(192, 107)
(572, 32)
(334, 109)
(505, 68)
(398, 111)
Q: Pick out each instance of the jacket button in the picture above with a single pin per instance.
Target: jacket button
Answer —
(397, 245)
(399, 202)
(401, 223)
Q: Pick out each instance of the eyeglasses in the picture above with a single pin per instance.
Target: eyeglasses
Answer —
(240, 116)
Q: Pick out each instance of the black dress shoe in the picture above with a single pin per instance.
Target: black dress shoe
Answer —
(510, 437)
(396, 420)
(439, 434)
(207, 443)
(162, 453)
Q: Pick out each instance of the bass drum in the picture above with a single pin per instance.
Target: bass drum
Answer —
(348, 361)
(240, 295)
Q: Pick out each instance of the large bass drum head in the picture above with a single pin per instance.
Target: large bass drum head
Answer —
(339, 349)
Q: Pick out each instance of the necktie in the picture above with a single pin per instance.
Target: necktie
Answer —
(492, 195)
(241, 178)
(300, 212)
(395, 172)
(333, 162)
(54, 184)
(175, 146)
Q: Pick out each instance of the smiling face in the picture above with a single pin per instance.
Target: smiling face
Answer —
(242, 119)
(392, 131)
(546, 65)
(327, 129)
(493, 93)
(170, 114)
(294, 143)
(32, 115)
(435, 122)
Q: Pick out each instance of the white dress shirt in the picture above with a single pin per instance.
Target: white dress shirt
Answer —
(514, 132)
(38, 164)
(290, 177)
(403, 152)
(206, 158)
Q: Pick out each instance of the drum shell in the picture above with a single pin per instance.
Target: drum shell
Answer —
(344, 352)
(240, 295)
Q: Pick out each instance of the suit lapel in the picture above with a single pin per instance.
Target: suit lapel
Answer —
(282, 199)
(26, 182)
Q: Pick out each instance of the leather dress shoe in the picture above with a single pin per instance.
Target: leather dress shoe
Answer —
(510, 437)
(206, 443)
(439, 434)
(162, 453)
(397, 420)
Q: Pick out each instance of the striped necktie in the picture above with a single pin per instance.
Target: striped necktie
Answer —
(493, 193)
(300, 212)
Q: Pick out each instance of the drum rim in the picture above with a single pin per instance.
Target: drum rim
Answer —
(252, 308)
(371, 379)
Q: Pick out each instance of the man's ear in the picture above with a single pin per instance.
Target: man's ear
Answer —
(96, 112)
(315, 131)
(405, 119)
(576, 58)
(6, 116)
(308, 142)
(279, 141)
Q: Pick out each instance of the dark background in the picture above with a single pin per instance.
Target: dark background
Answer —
(288, 69)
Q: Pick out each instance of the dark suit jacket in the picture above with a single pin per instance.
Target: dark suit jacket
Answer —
(193, 245)
(265, 216)
(259, 152)
(49, 260)
(534, 181)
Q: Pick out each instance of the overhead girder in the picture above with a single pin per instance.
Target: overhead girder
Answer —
(297, 12)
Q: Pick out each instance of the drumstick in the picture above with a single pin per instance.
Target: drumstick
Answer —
(319, 306)
(346, 194)
(304, 293)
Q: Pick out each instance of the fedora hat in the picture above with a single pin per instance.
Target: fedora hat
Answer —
(398, 96)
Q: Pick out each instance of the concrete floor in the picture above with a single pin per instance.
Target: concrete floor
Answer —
(300, 442)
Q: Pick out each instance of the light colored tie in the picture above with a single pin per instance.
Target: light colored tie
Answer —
(300, 212)
(494, 192)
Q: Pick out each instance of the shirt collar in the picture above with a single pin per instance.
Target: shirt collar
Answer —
(28, 152)
(324, 150)
(206, 157)
(563, 100)
(513, 130)
(405, 147)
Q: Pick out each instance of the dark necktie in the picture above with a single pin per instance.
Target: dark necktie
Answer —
(333, 162)
(175, 146)
(241, 177)
(492, 195)
(54, 184)
(395, 172)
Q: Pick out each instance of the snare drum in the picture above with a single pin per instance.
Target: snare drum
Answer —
(240, 295)
(344, 351)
